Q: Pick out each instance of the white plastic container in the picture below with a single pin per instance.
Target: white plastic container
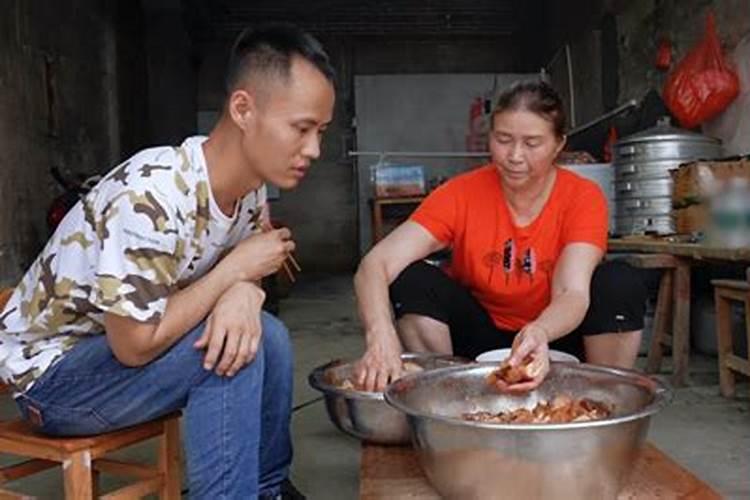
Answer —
(604, 175)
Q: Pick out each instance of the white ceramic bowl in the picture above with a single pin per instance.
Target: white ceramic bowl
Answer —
(501, 354)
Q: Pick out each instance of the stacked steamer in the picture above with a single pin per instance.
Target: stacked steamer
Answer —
(643, 184)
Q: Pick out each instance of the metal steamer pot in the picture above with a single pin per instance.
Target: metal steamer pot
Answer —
(643, 185)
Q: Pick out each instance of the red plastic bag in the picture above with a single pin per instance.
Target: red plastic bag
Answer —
(703, 83)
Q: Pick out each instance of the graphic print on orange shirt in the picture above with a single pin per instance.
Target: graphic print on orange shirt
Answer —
(516, 267)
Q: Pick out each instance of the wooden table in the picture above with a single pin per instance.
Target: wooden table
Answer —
(393, 473)
(693, 251)
(685, 255)
(377, 212)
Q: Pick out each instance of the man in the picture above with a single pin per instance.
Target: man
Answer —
(130, 312)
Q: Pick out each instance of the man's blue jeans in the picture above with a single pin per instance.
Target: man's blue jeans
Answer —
(237, 428)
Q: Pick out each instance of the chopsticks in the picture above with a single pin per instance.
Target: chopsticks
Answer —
(295, 264)
(289, 257)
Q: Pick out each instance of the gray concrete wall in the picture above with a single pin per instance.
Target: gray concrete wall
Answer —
(83, 85)
(132, 76)
(425, 113)
(55, 109)
(566, 21)
(642, 22)
(584, 71)
(171, 70)
(614, 61)
(502, 54)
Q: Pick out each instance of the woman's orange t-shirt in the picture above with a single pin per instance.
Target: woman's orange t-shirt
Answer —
(508, 268)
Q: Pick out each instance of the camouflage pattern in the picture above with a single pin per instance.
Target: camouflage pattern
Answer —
(148, 228)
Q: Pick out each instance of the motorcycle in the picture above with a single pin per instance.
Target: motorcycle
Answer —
(72, 192)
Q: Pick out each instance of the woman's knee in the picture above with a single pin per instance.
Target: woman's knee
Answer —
(617, 274)
(618, 300)
(614, 349)
(415, 276)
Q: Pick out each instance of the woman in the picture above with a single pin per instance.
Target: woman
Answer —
(526, 239)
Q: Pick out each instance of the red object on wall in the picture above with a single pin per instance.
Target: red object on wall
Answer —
(476, 138)
(609, 144)
(703, 83)
(475, 111)
(663, 54)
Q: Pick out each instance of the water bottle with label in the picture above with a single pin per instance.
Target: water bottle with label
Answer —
(730, 215)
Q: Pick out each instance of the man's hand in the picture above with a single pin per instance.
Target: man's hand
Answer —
(531, 341)
(259, 255)
(381, 363)
(233, 329)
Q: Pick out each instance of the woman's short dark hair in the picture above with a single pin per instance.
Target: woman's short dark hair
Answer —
(268, 51)
(537, 97)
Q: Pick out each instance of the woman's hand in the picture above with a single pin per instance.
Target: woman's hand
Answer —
(532, 342)
(381, 363)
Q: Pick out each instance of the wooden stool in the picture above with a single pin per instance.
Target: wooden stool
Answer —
(672, 313)
(82, 457)
(726, 291)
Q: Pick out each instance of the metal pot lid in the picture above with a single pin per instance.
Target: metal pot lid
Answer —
(663, 131)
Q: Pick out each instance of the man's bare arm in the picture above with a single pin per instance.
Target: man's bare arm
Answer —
(136, 343)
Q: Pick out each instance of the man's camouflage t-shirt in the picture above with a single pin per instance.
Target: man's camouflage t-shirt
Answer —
(149, 227)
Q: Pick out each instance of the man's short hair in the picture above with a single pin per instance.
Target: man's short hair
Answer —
(267, 51)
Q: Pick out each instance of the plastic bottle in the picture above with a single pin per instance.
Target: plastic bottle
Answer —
(730, 215)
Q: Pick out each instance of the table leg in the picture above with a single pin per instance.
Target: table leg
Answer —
(662, 318)
(681, 323)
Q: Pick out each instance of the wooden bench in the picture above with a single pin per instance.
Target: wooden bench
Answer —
(725, 292)
(687, 255)
(393, 473)
(82, 458)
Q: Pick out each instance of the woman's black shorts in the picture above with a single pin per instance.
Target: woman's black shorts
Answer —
(618, 298)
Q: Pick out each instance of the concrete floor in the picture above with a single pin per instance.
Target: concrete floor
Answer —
(706, 433)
